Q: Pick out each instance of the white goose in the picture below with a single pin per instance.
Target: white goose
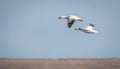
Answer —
(70, 19)
(89, 29)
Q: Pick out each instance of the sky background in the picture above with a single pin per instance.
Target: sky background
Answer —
(31, 29)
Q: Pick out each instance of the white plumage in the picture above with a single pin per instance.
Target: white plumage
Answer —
(89, 29)
(70, 19)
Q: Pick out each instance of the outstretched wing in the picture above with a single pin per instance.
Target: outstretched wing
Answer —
(89, 27)
(70, 23)
(92, 25)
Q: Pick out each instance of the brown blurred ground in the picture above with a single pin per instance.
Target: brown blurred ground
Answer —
(59, 63)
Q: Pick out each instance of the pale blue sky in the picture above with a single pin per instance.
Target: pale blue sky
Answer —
(31, 29)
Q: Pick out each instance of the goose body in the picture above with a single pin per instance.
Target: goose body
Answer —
(89, 29)
(70, 19)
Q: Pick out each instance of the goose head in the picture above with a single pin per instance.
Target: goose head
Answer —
(77, 29)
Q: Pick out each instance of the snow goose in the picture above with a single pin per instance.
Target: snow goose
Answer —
(89, 29)
(70, 19)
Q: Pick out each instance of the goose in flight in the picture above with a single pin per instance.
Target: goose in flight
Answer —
(89, 29)
(70, 19)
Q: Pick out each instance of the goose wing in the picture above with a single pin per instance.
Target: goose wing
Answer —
(92, 25)
(89, 27)
(70, 23)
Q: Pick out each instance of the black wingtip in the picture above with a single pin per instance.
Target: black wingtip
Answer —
(80, 29)
(69, 26)
(91, 25)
